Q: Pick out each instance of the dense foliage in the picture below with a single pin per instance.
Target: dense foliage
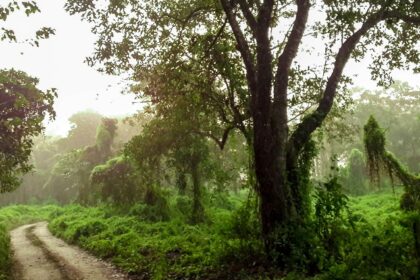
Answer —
(23, 108)
(379, 159)
(62, 166)
(378, 245)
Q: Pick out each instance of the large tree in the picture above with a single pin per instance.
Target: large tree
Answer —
(23, 108)
(260, 45)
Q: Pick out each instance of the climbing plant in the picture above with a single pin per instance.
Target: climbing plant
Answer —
(379, 159)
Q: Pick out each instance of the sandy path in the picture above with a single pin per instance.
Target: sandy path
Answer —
(40, 255)
(30, 262)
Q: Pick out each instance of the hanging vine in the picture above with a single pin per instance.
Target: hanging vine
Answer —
(379, 159)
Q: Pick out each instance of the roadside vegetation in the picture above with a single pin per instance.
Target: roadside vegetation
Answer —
(377, 242)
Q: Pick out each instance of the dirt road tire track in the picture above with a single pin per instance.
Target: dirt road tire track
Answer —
(37, 254)
(29, 260)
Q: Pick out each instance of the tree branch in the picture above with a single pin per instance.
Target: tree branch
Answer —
(238, 117)
(220, 142)
(243, 4)
(218, 34)
(242, 46)
(310, 123)
(283, 66)
(192, 14)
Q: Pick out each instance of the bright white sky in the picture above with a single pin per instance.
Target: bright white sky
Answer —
(58, 63)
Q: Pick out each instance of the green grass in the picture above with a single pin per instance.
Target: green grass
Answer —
(170, 249)
(381, 245)
(377, 207)
(146, 242)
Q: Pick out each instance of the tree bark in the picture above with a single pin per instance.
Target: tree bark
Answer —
(270, 125)
(197, 208)
(181, 181)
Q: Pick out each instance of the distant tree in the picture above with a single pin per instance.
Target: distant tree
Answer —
(355, 177)
(23, 108)
(44, 152)
(82, 132)
(170, 140)
(69, 179)
(105, 135)
(398, 109)
(66, 178)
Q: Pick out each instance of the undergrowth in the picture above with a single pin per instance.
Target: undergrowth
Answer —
(169, 248)
(381, 244)
(375, 243)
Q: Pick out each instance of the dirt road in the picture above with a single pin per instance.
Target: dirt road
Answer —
(39, 255)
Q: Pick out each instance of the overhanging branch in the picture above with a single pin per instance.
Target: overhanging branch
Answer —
(242, 45)
(284, 62)
(310, 123)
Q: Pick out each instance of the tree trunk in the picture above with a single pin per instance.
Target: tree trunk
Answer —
(284, 199)
(276, 204)
(181, 181)
(197, 208)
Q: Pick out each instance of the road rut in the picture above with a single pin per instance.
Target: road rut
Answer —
(37, 254)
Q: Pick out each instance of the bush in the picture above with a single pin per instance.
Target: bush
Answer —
(115, 181)
(183, 204)
(152, 213)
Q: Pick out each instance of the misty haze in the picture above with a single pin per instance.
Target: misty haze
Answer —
(225, 139)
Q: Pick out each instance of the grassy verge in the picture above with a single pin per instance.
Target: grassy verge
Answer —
(168, 249)
(379, 246)
(159, 243)
(11, 217)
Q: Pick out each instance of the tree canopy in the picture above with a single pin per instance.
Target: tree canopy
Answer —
(82, 132)
(23, 108)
